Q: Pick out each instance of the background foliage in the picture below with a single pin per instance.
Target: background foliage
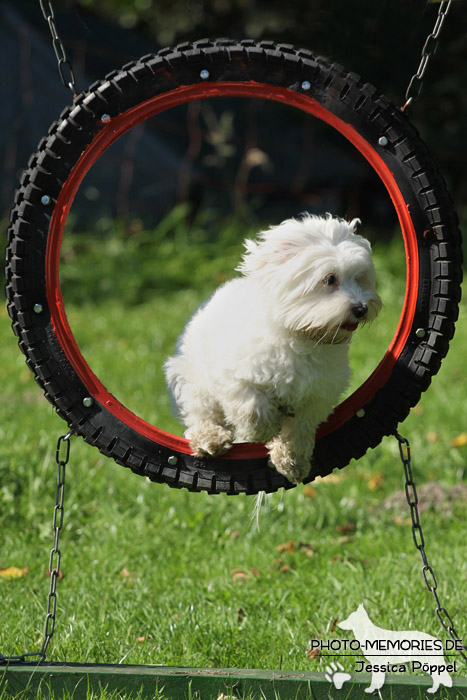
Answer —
(381, 41)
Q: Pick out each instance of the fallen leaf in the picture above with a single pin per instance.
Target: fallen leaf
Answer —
(460, 440)
(314, 653)
(375, 481)
(309, 492)
(306, 548)
(348, 527)
(284, 569)
(344, 539)
(141, 639)
(124, 573)
(286, 547)
(239, 575)
(60, 573)
(13, 572)
(254, 571)
(333, 624)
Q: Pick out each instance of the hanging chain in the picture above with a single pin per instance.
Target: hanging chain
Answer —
(63, 445)
(64, 63)
(419, 540)
(429, 48)
(62, 456)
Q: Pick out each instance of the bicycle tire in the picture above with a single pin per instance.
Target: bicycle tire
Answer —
(199, 70)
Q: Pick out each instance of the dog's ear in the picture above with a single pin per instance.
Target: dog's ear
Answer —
(249, 263)
(268, 251)
(285, 250)
(353, 224)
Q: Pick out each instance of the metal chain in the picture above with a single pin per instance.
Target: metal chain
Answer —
(419, 540)
(62, 456)
(64, 63)
(429, 47)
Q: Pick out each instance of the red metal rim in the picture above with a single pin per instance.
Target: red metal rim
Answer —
(119, 125)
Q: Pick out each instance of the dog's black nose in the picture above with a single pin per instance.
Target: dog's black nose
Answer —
(360, 310)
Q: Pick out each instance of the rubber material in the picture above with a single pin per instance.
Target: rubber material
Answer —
(201, 70)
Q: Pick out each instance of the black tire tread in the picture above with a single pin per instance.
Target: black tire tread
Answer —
(338, 91)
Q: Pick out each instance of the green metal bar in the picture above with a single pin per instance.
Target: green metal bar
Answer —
(80, 681)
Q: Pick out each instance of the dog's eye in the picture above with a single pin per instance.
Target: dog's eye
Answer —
(330, 280)
(363, 280)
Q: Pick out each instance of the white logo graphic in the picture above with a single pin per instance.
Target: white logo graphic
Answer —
(335, 674)
(396, 651)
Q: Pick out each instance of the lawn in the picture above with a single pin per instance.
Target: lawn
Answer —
(158, 576)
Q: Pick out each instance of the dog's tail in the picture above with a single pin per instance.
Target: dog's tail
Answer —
(259, 500)
(263, 500)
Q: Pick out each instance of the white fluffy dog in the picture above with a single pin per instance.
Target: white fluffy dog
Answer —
(265, 359)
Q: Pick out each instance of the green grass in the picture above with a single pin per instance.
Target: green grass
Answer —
(158, 576)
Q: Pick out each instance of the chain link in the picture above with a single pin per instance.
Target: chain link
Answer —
(62, 457)
(419, 540)
(65, 68)
(429, 47)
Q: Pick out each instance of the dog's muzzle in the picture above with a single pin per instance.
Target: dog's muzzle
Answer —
(359, 311)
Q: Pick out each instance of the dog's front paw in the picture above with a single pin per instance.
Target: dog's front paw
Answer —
(209, 439)
(291, 465)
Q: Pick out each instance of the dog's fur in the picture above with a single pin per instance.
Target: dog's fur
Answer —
(368, 633)
(265, 359)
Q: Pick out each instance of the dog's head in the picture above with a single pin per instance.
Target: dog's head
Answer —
(317, 274)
